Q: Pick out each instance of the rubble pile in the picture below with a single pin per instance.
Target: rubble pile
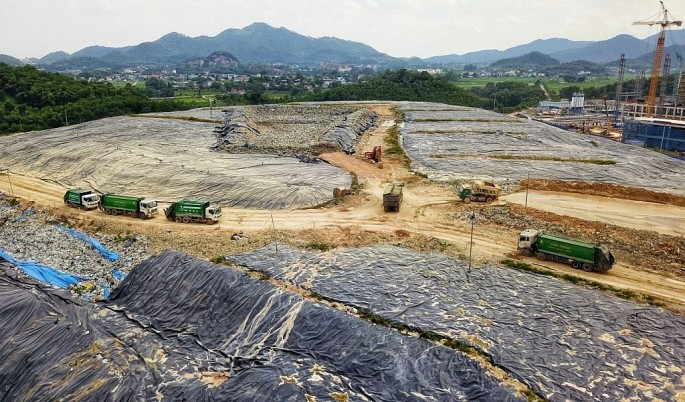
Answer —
(29, 234)
(287, 129)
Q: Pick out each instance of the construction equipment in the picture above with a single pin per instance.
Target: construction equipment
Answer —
(392, 197)
(479, 190)
(580, 255)
(658, 53)
(375, 155)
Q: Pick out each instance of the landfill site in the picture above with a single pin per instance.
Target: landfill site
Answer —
(307, 287)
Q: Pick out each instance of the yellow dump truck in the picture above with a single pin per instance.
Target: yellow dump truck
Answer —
(479, 190)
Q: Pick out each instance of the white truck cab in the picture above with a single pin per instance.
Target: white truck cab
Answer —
(527, 239)
(90, 201)
(148, 208)
(213, 213)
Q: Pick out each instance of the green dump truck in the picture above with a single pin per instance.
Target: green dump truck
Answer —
(80, 198)
(193, 211)
(139, 207)
(578, 254)
(392, 197)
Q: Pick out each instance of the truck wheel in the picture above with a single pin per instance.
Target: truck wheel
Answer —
(178, 219)
(209, 221)
(185, 219)
(488, 199)
(108, 211)
(527, 252)
(467, 200)
(541, 256)
(587, 267)
(575, 264)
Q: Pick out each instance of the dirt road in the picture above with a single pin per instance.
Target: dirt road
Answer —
(666, 219)
(430, 216)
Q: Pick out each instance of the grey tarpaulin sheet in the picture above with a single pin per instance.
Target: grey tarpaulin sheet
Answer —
(450, 142)
(565, 342)
(179, 328)
(167, 159)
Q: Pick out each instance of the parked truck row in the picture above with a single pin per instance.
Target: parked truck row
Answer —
(184, 211)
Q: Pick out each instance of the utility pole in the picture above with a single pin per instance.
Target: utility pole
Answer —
(472, 218)
(10, 181)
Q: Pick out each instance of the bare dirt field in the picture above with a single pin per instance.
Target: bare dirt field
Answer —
(641, 215)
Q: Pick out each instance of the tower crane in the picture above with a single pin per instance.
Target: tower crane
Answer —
(658, 53)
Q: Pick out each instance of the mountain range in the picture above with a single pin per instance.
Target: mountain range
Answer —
(260, 43)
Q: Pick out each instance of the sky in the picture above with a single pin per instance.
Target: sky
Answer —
(399, 28)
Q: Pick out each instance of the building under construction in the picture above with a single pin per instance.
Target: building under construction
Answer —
(657, 121)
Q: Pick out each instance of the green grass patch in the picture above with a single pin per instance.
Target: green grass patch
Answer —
(393, 140)
(526, 158)
(319, 246)
(355, 186)
(184, 118)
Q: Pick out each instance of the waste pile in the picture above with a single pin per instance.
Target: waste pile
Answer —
(179, 328)
(452, 143)
(171, 158)
(563, 341)
(287, 129)
(34, 235)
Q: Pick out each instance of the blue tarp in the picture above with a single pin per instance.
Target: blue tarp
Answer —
(105, 289)
(110, 255)
(118, 274)
(43, 273)
(24, 215)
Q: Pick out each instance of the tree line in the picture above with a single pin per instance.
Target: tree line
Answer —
(35, 100)
(31, 99)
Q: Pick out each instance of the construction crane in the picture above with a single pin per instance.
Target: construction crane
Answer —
(658, 53)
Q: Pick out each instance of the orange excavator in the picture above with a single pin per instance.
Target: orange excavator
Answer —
(374, 155)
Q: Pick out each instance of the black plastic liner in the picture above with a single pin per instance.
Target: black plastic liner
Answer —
(565, 342)
(179, 328)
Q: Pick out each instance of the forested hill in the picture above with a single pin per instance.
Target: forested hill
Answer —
(402, 85)
(35, 100)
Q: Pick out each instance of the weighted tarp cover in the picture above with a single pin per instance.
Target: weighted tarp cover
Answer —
(564, 341)
(179, 328)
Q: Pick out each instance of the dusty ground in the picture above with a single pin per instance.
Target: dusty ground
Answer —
(431, 218)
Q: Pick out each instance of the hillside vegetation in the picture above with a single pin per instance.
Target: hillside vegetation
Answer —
(35, 100)
(401, 85)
